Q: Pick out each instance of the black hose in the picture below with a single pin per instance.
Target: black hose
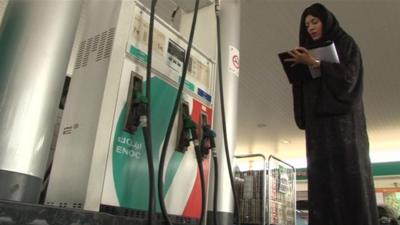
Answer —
(151, 207)
(207, 143)
(147, 127)
(221, 90)
(215, 203)
(172, 118)
(203, 187)
(199, 158)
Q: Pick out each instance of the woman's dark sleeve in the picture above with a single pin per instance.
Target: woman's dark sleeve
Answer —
(341, 83)
(298, 104)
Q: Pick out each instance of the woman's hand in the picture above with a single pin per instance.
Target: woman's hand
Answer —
(303, 56)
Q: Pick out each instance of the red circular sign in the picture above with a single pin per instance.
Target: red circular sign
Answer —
(235, 60)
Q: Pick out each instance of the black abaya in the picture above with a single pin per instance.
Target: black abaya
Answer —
(330, 109)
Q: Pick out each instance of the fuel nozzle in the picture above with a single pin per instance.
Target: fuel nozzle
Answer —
(137, 112)
(185, 135)
(208, 141)
(136, 105)
(184, 125)
(141, 102)
(190, 127)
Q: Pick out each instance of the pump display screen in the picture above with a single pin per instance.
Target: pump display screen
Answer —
(177, 51)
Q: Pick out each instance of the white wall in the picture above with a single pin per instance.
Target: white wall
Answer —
(387, 182)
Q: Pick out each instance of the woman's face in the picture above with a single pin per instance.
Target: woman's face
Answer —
(314, 27)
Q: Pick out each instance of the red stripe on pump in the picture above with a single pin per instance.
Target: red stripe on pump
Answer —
(193, 206)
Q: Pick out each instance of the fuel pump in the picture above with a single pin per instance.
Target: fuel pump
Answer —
(112, 131)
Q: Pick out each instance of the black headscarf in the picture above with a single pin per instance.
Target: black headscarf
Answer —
(331, 28)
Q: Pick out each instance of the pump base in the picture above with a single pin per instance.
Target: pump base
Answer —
(19, 187)
(222, 218)
(13, 213)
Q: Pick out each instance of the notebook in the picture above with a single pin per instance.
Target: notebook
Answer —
(300, 72)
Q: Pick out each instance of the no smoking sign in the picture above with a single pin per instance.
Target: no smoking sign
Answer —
(234, 62)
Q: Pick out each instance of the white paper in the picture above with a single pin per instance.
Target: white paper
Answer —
(327, 54)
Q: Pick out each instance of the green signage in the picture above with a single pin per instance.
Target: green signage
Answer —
(378, 169)
(138, 54)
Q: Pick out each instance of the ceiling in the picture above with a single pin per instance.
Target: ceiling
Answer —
(266, 123)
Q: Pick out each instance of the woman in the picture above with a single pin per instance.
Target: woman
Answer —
(330, 109)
